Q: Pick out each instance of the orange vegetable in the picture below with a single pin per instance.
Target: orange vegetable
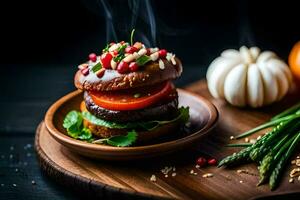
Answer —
(294, 60)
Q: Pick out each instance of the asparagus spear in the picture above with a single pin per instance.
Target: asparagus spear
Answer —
(276, 174)
(267, 164)
(243, 155)
(258, 153)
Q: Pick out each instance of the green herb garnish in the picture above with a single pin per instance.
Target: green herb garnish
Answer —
(106, 48)
(142, 60)
(96, 67)
(131, 36)
(119, 140)
(73, 124)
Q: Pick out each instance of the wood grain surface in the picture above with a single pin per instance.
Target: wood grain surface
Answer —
(125, 180)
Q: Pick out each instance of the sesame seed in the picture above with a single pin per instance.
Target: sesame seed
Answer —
(259, 137)
(174, 169)
(291, 180)
(195, 173)
(16, 170)
(33, 182)
(11, 148)
(197, 166)
(2, 184)
(252, 141)
(173, 174)
(15, 185)
(207, 175)
(192, 172)
(153, 178)
(232, 137)
(246, 139)
(293, 162)
(298, 178)
(241, 181)
(11, 156)
(166, 176)
(298, 157)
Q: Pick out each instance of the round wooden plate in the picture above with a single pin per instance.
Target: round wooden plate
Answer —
(203, 116)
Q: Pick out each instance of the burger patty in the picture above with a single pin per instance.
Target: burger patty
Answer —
(162, 111)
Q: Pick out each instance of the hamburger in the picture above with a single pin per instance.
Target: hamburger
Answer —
(128, 88)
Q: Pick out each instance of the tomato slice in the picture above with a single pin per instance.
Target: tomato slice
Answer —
(132, 99)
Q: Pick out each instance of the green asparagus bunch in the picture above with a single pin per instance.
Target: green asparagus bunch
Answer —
(273, 150)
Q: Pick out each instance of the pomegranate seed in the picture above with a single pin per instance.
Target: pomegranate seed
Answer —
(93, 57)
(105, 59)
(115, 52)
(201, 161)
(100, 72)
(130, 50)
(162, 53)
(122, 42)
(133, 67)
(212, 161)
(85, 71)
(112, 43)
(122, 67)
(148, 52)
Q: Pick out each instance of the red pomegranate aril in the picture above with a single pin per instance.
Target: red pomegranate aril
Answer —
(133, 67)
(105, 59)
(130, 50)
(162, 53)
(148, 52)
(93, 57)
(201, 161)
(115, 52)
(122, 67)
(100, 72)
(85, 71)
(212, 161)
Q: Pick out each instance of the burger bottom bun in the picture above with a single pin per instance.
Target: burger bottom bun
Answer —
(143, 136)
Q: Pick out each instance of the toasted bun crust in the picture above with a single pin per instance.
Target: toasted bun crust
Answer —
(112, 80)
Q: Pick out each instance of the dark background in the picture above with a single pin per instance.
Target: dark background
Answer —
(42, 42)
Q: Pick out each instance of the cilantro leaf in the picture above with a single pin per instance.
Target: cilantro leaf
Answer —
(131, 36)
(142, 60)
(106, 48)
(73, 122)
(119, 140)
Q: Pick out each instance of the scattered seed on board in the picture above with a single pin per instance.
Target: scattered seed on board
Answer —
(291, 180)
(153, 178)
(15, 185)
(173, 174)
(246, 139)
(33, 182)
(295, 172)
(232, 137)
(293, 162)
(241, 181)
(208, 175)
(174, 169)
(259, 137)
(166, 176)
(298, 178)
(197, 166)
(16, 170)
(298, 157)
(192, 172)
(252, 141)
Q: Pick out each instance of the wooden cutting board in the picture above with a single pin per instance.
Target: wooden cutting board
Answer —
(124, 180)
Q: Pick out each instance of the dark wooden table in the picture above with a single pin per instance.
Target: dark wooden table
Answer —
(23, 104)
